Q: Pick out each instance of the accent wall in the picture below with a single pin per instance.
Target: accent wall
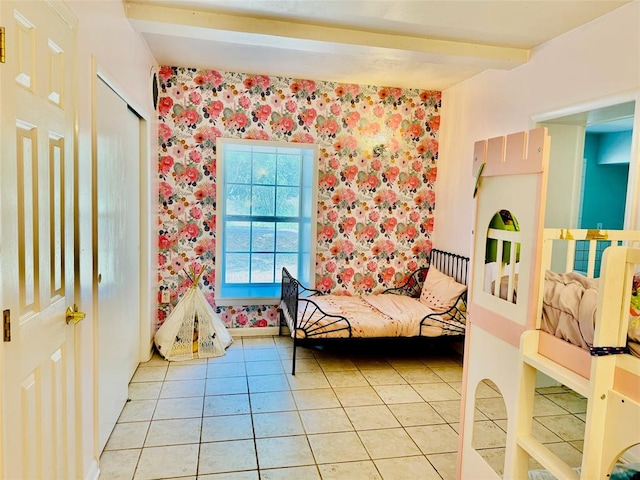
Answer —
(377, 169)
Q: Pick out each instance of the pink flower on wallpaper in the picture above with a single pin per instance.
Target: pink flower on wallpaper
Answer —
(165, 73)
(376, 164)
(162, 259)
(370, 182)
(417, 166)
(215, 108)
(332, 216)
(291, 106)
(434, 123)
(330, 127)
(412, 265)
(414, 216)
(334, 163)
(330, 267)
(284, 125)
(164, 105)
(262, 113)
(350, 173)
(241, 319)
(165, 164)
(308, 116)
(244, 102)
(387, 274)
(328, 181)
(348, 224)
(302, 138)
(394, 121)
(374, 216)
(195, 212)
(249, 83)
(367, 233)
(325, 284)
(341, 246)
(256, 134)
(261, 323)
(389, 224)
(195, 156)
(190, 174)
(432, 175)
(370, 129)
(336, 109)
(263, 80)
(190, 230)
(237, 121)
(228, 96)
(429, 144)
(164, 242)
(164, 132)
(165, 190)
(346, 275)
(414, 131)
(427, 225)
(195, 98)
(378, 111)
(372, 266)
(326, 233)
(392, 174)
(352, 119)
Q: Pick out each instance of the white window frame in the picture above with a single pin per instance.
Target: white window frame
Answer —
(309, 192)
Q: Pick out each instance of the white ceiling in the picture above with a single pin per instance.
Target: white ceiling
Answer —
(430, 44)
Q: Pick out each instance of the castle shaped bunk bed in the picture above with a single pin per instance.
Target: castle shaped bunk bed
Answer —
(431, 302)
(535, 306)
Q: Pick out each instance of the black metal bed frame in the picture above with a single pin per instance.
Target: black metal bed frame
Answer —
(312, 322)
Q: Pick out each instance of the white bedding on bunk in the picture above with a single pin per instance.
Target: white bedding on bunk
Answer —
(382, 315)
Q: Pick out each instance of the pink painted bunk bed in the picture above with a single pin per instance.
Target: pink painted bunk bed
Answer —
(430, 303)
(512, 333)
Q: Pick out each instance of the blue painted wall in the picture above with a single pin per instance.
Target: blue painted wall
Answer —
(605, 179)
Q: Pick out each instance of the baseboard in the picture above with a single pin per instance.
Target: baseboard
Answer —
(254, 332)
(94, 471)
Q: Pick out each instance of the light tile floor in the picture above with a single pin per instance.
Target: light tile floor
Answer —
(346, 414)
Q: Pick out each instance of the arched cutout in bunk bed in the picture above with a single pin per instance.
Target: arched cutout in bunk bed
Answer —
(505, 341)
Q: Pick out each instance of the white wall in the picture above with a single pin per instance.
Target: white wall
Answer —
(105, 39)
(598, 60)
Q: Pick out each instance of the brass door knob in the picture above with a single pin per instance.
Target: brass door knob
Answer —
(73, 315)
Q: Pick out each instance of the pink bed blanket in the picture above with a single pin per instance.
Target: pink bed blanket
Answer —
(569, 309)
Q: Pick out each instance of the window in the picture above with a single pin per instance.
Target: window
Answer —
(266, 207)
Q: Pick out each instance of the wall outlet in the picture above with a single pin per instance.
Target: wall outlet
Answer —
(599, 226)
(165, 297)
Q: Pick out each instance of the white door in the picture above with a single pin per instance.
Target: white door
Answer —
(37, 105)
(118, 253)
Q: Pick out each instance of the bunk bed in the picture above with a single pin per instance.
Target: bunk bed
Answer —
(510, 303)
(430, 302)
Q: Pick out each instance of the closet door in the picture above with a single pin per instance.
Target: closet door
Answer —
(118, 253)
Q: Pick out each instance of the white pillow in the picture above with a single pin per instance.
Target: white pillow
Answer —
(440, 291)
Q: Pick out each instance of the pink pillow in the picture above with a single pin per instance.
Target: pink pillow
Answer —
(440, 291)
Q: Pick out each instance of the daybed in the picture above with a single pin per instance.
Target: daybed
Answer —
(431, 302)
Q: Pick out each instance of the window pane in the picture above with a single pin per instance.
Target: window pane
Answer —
(238, 199)
(262, 236)
(238, 166)
(237, 268)
(287, 237)
(288, 260)
(262, 268)
(263, 201)
(288, 202)
(288, 169)
(237, 236)
(264, 169)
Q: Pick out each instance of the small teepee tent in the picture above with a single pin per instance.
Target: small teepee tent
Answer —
(194, 329)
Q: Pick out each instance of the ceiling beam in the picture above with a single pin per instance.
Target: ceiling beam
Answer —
(239, 29)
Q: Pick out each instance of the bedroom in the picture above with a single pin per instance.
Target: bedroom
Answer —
(493, 103)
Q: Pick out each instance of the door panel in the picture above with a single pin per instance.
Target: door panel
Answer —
(118, 253)
(36, 235)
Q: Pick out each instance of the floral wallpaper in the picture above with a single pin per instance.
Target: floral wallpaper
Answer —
(377, 170)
